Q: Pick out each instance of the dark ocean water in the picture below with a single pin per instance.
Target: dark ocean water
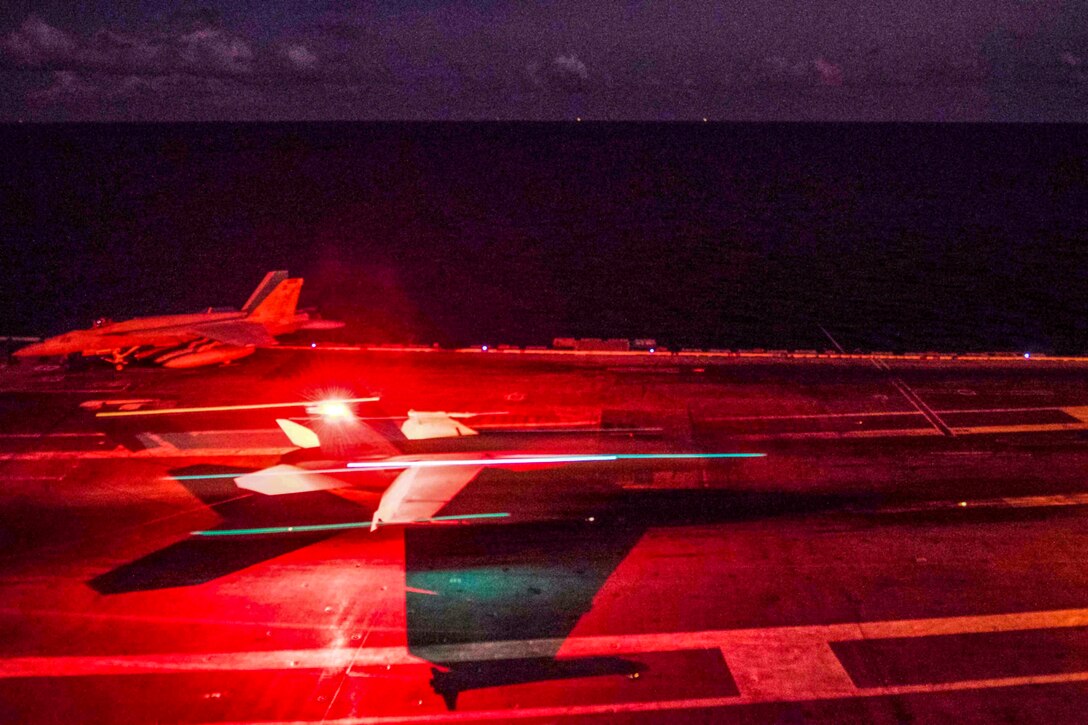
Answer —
(722, 235)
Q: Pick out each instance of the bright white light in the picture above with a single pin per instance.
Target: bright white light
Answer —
(333, 411)
(1027, 355)
(313, 345)
(483, 348)
(651, 349)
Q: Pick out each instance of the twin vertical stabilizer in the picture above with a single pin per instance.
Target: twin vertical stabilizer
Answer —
(270, 282)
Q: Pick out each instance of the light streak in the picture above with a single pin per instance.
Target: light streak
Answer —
(401, 465)
(529, 460)
(221, 408)
(309, 528)
(503, 461)
(216, 476)
(684, 456)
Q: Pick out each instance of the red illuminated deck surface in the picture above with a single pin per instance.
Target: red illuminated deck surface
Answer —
(910, 547)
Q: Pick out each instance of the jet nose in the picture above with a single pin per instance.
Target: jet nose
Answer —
(38, 349)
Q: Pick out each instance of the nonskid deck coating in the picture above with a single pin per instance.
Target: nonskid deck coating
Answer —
(598, 600)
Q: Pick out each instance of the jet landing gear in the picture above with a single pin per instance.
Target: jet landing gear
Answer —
(120, 358)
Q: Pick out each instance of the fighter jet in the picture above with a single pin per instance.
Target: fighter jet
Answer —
(423, 483)
(215, 336)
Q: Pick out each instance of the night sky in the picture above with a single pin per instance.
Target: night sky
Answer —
(758, 60)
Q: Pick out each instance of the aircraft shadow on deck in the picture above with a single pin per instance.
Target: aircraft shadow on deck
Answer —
(200, 559)
(469, 585)
(473, 585)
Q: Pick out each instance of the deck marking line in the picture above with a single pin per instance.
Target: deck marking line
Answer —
(1064, 499)
(726, 640)
(1079, 412)
(121, 452)
(833, 340)
(1076, 412)
(222, 408)
(53, 435)
(785, 670)
(559, 711)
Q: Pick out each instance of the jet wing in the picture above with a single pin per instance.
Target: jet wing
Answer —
(417, 493)
(423, 425)
(235, 332)
(285, 479)
(420, 492)
(352, 435)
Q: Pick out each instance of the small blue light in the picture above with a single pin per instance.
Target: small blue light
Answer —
(1027, 355)
(652, 350)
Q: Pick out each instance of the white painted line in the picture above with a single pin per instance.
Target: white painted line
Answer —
(55, 391)
(797, 640)
(120, 453)
(811, 416)
(98, 665)
(53, 435)
(163, 618)
(833, 340)
(1062, 499)
(961, 453)
(560, 711)
(777, 664)
(1076, 412)
(99, 404)
(935, 358)
(909, 432)
(1028, 428)
(768, 671)
(915, 400)
(224, 408)
(1025, 409)
(154, 441)
(832, 435)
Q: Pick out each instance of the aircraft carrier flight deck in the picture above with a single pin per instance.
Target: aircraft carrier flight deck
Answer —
(904, 540)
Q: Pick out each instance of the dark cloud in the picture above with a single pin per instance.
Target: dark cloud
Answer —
(1039, 75)
(139, 74)
(38, 44)
(300, 57)
(751, 59)
(828, 73)
(66, 86)
(777, 71)
(564, 73)
(188, 17)
(203, 51)
(214, 51)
